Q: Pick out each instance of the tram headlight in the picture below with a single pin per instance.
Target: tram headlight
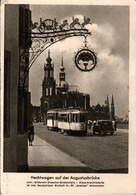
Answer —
(82, 126)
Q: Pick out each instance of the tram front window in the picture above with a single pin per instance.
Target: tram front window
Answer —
(49, 116)
(82, 118)
(56, 116)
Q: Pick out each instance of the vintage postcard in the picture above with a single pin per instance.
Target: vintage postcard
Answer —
(68, 97)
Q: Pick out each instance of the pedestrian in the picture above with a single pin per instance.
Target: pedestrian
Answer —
(114, 124)
(31, 134)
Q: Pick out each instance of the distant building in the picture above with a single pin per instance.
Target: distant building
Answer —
(61, 96)
(36, 114)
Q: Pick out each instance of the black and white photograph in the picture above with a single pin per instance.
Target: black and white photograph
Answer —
(67, 98)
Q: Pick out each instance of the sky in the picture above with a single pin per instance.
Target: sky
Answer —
(109, 40)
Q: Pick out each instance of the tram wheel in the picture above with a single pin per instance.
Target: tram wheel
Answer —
(62, 131)
(65, 133)
(84, 133)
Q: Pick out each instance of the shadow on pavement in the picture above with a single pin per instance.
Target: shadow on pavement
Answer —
(123, 171)
(38, 145)
(61, 169)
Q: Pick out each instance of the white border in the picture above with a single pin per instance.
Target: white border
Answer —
(114, 183)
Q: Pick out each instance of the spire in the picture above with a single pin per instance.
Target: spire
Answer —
(62, 85)
(62, 67)
(107, 107)
(112, 109)
(107, 101)
(112, 101)
(49, 53)
(49, 58)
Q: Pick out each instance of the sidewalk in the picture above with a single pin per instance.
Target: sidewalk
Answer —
(122, 131)
(43, 157)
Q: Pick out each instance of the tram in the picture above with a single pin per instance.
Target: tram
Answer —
(52, 119)
(72, 120)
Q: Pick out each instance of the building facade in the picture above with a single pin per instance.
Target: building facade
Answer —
(16, 99)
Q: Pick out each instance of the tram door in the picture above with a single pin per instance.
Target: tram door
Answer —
(69, 120)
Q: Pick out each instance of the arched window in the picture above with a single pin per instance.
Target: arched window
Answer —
(46, 73)
(50, 90)
(51, 74)
(47, 92)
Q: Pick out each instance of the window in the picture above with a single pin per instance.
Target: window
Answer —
(74, 118)
(46, 73)
(47, 92)
(62, 76)
(56, 116)
(51, 74)
(50, 90)
(50, 116)
(63, 117)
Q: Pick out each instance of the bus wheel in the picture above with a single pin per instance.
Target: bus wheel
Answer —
(112, 133)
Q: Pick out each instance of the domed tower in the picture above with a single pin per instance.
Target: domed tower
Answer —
(48, 85)
(48, 88)
(62, 86)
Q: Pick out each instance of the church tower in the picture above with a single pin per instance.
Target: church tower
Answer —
(48, 88)
(107, 108)
(112, 109)
(48, 85)
(62, 86)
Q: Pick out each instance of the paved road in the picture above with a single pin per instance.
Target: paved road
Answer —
(100, 153)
